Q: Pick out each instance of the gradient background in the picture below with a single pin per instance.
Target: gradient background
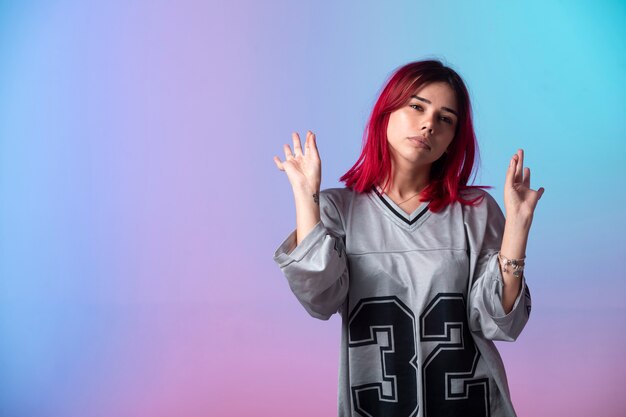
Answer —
(140, 206)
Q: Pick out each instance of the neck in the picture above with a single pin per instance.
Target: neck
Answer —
(407, 181)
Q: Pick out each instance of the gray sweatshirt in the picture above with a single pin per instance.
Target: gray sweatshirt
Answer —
(420, 298)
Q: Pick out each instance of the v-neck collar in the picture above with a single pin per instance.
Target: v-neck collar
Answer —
(400, 214)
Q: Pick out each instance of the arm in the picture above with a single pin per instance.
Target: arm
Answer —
(484, 227)
(304, 172)
(317, 267)
(520, 202)
(312, 258)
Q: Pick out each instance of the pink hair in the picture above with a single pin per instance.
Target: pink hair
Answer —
(450, 173)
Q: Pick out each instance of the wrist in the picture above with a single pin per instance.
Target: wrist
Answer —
(306, 198)
(306, 189)
(514, 240)
(513, 265)
(518, 221)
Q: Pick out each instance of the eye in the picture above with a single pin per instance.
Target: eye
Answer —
(416, 106)
(446, 120)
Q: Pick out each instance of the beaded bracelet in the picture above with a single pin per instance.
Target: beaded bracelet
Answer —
(517, 264)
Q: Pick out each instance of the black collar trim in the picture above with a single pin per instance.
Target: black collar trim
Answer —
(400, 215)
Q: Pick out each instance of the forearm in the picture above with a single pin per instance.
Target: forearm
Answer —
(519, 202)
(514, 242)
(307, 211)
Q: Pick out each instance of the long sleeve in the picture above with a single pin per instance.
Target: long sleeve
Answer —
(317, 269)
(484, 226)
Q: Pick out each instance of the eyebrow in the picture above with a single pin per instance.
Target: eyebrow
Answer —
(428, 101)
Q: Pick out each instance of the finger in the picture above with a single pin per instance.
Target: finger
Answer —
(313, 146)
(520, 166)
(510, 172)
(278, 163)
(308, 145)
(540, 193)
(297, 147)
(288, 153)
(527, 177)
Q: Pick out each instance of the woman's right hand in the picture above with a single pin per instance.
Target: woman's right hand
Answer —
(304, 170)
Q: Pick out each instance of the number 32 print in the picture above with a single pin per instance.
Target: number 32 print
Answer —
(448, 386)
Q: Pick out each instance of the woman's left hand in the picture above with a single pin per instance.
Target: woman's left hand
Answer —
(519, 199)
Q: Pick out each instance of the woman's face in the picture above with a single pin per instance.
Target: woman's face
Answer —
(420, 131)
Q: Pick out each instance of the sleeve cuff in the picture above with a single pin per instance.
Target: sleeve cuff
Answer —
(501, 318)
(289, 252)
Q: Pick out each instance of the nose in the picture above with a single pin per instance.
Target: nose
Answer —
(428, 123)
(427, 127)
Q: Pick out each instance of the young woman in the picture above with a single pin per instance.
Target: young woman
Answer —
(423, 268)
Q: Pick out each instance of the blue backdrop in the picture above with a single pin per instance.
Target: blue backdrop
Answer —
(140, 206)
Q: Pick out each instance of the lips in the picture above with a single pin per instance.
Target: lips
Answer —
(420, 141)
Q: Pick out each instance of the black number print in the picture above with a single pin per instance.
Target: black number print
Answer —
(389, 324)
(448, 387)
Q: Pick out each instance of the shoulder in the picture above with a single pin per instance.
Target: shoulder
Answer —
(483, 222)
(334, 206)
(473, 192)
(340, 197)
(338, 192)
(484, 206)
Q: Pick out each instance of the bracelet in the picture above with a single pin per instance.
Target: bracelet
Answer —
(517, 264)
